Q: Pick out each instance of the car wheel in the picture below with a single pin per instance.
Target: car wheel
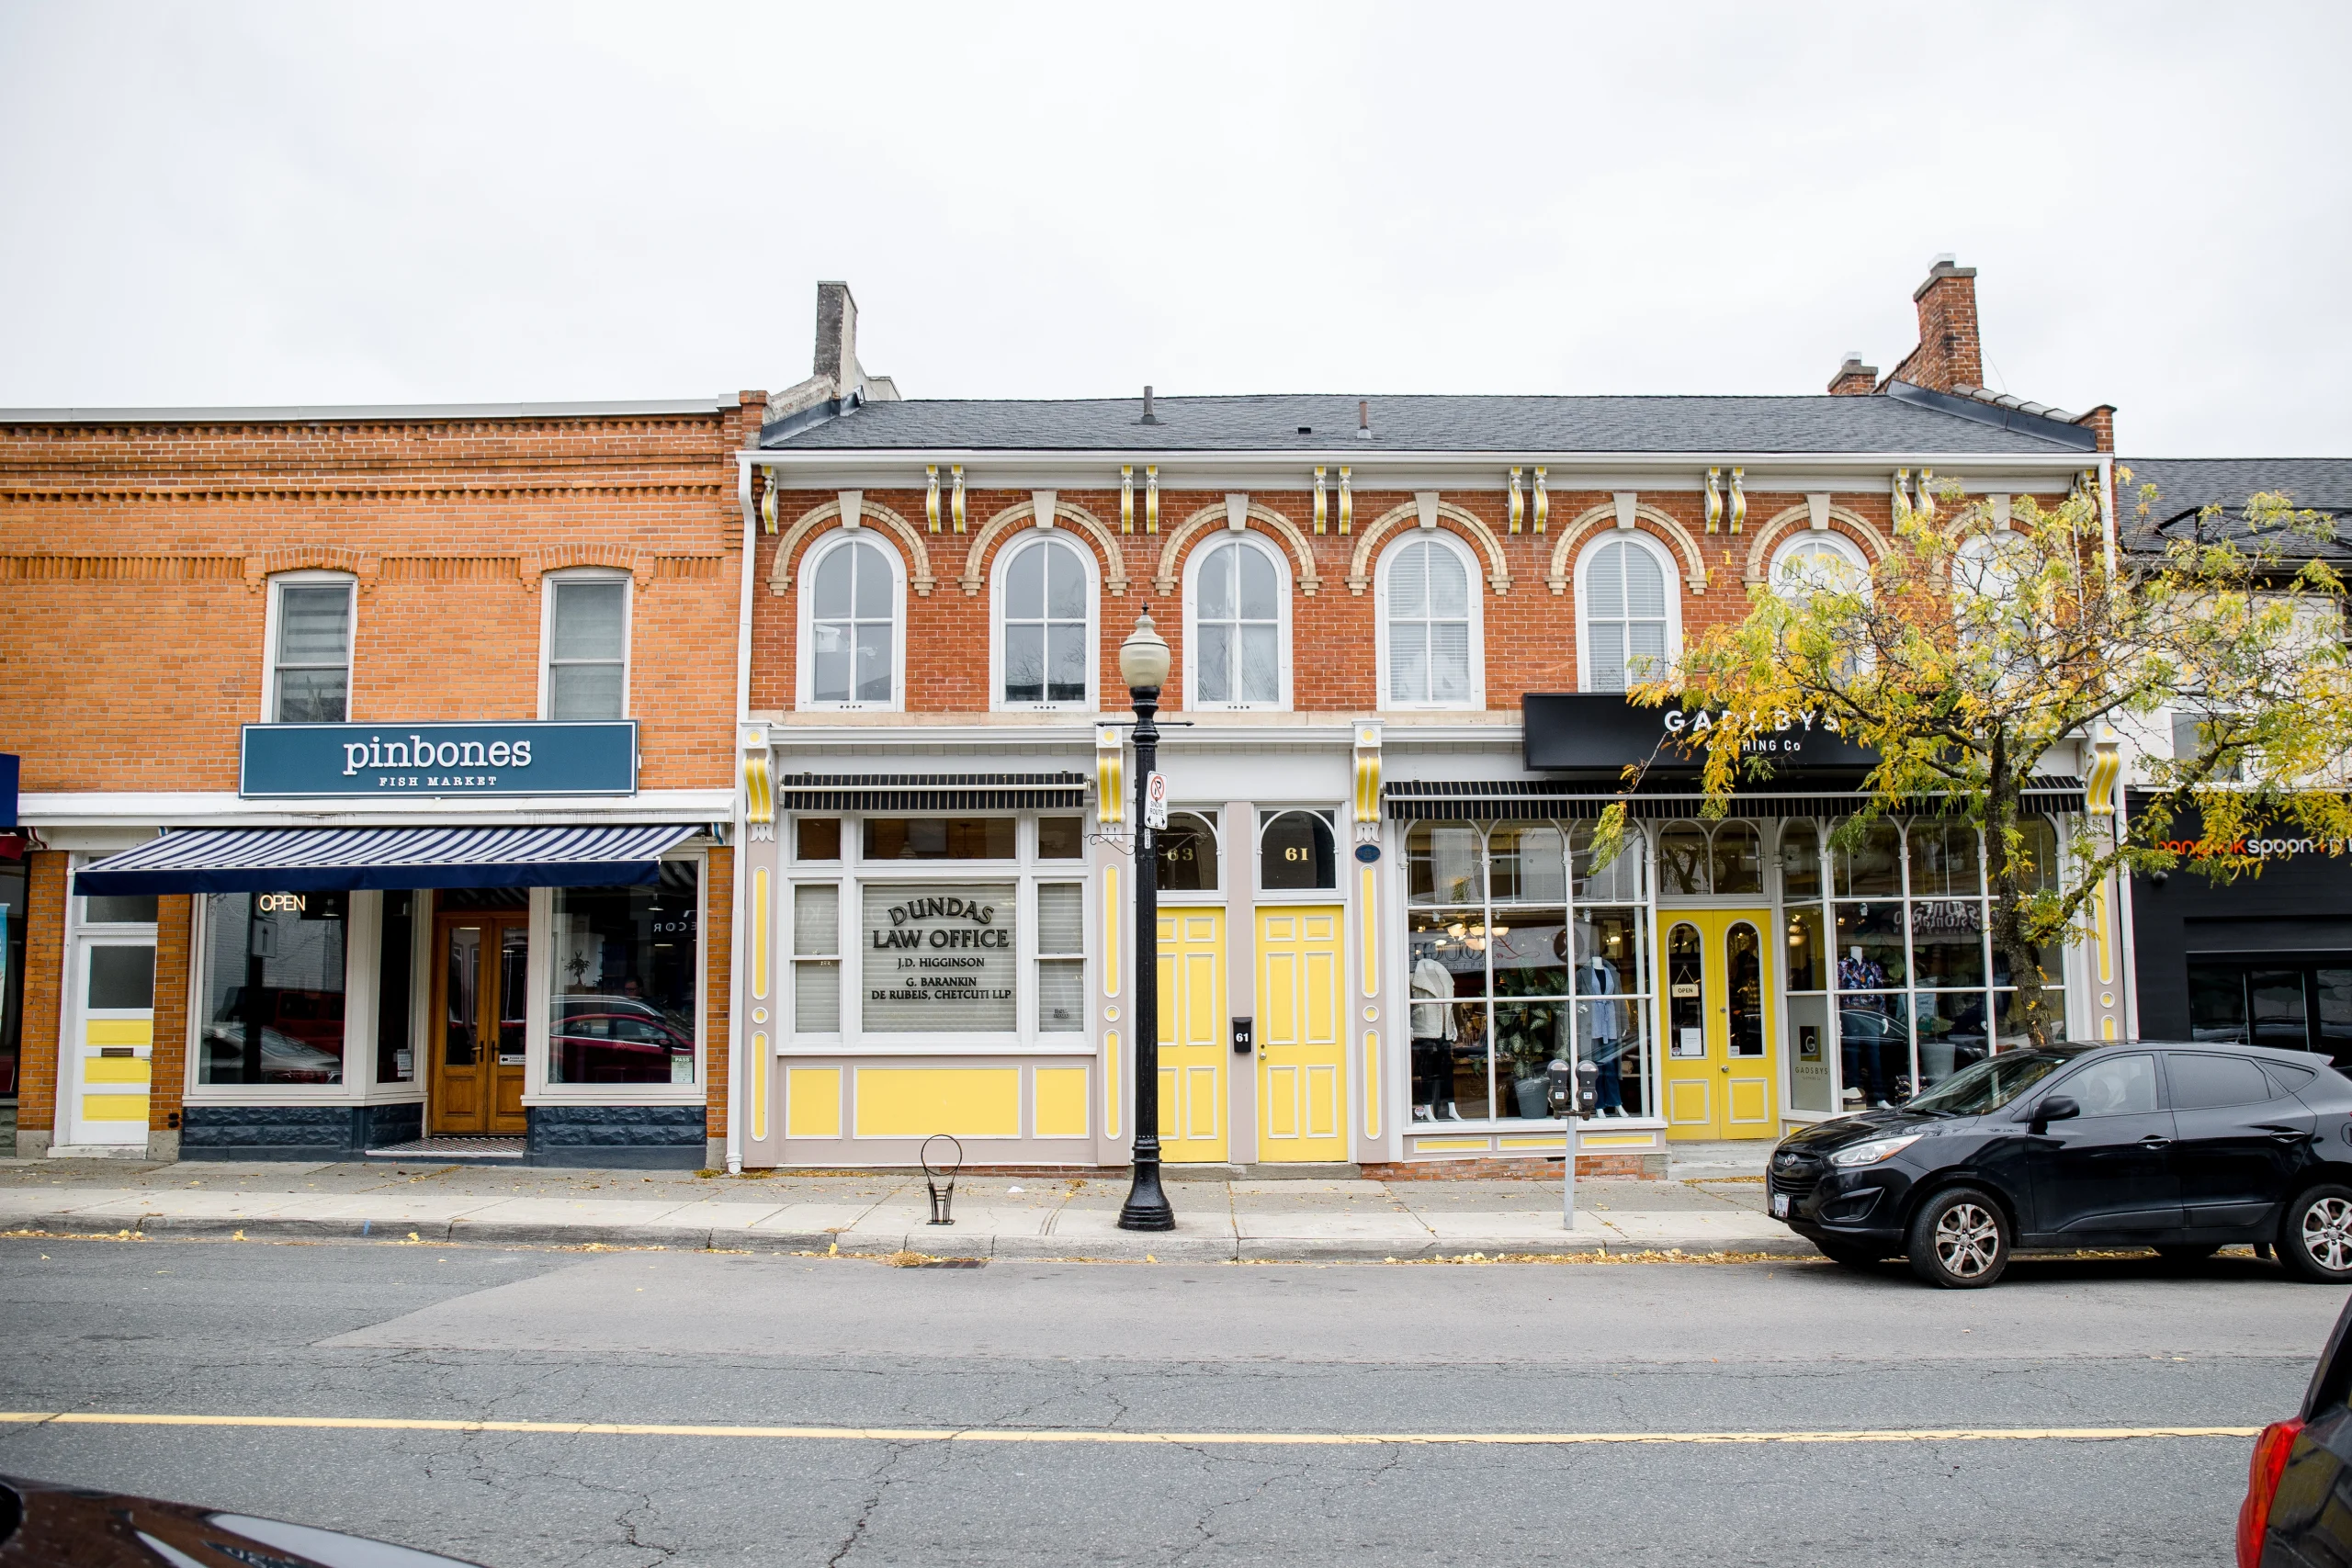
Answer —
(1848, 1255)
(2186, 1255)
(1959, 1240)
(2315, 1241)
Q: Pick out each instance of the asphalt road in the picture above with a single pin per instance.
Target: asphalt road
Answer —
(391, 1332)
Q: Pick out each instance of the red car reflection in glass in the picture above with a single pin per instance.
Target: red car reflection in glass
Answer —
(617, 1040)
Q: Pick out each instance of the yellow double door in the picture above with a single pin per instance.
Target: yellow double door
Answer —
(1716, 998)
(1299, 1056)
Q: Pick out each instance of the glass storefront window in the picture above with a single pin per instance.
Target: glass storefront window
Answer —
(939, 958)
(817, 839)
(939, 837)
(395, 957)
(1061, 957)
(12, 972)
(1188, 860)
(623, 981)
(816, 958)
(1504, 985)
(1061, 837)
(273, 988)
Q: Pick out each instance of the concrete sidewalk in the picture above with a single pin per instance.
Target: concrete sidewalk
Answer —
(881, 1213)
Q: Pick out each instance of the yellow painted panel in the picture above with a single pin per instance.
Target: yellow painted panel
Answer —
(1322, 1085)
(914, 1102)
(762, 1063)
(115, 1069)
(1279, 927)
(1372, 1083)
(1367, 907)
(1200, 1101)
(114, 1107)
(1200, 928)
(1062, 1102)
(1687, 1101)
(1749, 1102)
(1171, 1113)
(1442, 1146)
(1559, 1143)
(1202, 1024)
(1636, 1140)
(1113, 960)
(2098, 931)
(1166, 1031)
(760, 931)
(1110, 1081)
(119, 1031)
(812, 1103)
(1282, 1102)
(1280, 1000)
(1320, 927)
(1167, 929)
(1322, 996)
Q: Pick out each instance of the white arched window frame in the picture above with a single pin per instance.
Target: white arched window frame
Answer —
(1793, 559)
(1208, 559)
(557, 651)
(999, 578)
(294, 653)
(815, 618)
(1387, 605)
(1593, 559)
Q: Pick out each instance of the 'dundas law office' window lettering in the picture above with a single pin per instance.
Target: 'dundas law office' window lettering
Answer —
(940, 957)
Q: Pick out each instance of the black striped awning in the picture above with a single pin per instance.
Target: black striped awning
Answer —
(931, 792)
(1414, 800)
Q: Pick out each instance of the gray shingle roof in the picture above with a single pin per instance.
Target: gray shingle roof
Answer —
(2185, 486)
(1818, 425)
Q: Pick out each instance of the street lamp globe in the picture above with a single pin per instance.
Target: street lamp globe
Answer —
(1143, 657)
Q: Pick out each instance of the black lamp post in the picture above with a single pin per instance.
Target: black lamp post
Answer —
(1142, 665)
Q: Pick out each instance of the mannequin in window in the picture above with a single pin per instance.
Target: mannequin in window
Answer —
(1869, 1037)
(1433, 987)
(1596, 977)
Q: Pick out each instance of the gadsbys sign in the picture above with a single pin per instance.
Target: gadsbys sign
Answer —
(1601, 733)
(381, 761)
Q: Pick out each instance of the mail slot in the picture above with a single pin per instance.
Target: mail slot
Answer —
(1243, 1040)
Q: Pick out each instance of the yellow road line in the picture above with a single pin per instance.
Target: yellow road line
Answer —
(1017, 1434)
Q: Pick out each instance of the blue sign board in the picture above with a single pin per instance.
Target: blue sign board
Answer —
(8, 764)
(383, 762)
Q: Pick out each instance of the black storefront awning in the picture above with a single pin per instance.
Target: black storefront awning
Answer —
(1412, 800)
(320, 860)
(931, 792)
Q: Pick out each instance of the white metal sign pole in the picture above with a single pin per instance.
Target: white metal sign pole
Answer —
(1568, 1184)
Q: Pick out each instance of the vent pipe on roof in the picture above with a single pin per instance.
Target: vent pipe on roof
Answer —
(1149, 417)
(1363, 419)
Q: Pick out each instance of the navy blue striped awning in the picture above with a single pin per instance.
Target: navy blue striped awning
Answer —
(316, 859)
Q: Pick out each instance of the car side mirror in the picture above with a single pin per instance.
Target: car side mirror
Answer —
(2057, 1108)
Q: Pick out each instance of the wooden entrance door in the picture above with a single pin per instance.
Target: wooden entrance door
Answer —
(1719, 1039)
(480, 994)
(1302, 1056)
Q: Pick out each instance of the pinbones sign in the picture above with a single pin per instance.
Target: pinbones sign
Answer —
(380, 759)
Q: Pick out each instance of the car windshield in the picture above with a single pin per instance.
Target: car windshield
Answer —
(1990, 1084)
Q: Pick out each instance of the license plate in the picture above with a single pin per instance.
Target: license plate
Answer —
(1779, 1205)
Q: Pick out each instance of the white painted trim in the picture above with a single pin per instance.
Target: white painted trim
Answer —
(113, 811)
(548, 583)
(1247, 540)
(1440, 538)
(271, 619)
(1032, 539)
(1637, 539)
(804, 596)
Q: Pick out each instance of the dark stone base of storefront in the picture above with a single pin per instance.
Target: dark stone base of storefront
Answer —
(294, 1132)
(629, 1138)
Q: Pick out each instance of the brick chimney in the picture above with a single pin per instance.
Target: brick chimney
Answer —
(1949, 354)
(837, 335)
(1854, 378)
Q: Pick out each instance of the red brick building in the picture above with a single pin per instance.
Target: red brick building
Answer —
(430, 707)
(1378, 920)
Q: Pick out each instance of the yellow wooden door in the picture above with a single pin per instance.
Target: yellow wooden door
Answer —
(1720, 1055)
(1192, 1036)
(1302, 1059)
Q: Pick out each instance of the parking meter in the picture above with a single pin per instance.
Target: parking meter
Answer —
(1573, 1093)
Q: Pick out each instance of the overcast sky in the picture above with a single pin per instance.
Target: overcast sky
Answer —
(225, 204)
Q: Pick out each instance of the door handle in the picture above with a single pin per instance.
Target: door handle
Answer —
(1726, 1066)
(2154, 1142)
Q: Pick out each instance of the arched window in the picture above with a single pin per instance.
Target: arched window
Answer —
(1810, 563)
(1238, 600)
(1188, 853)
(852, 594)
(1297, 853)
(1428, 616)
(1044, 626)
(1627, 622)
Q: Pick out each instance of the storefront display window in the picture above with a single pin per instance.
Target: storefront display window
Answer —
(273, 988)
(623, 979)
(396, 951)
(1514, 965)
(888, 953)
(12, 974)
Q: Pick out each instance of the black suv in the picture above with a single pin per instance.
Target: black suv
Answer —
(2185, 1147)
